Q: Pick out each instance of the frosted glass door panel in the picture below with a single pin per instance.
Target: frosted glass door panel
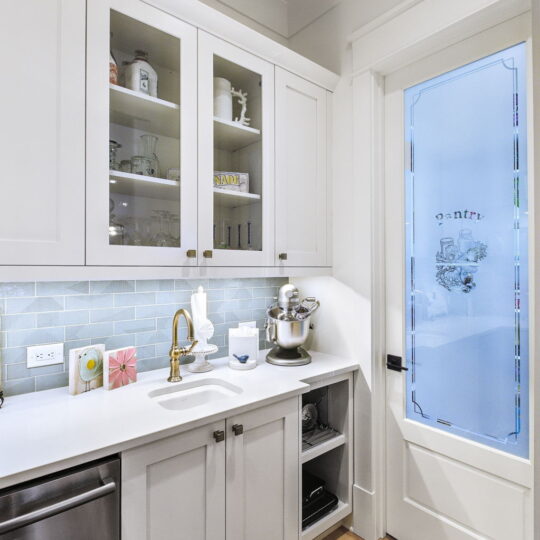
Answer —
(466, 252)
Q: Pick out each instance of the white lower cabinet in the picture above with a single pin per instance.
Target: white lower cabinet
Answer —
(262, 473)
(175, 488)
(198, 486)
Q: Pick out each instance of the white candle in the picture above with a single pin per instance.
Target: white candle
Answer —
(198, 310)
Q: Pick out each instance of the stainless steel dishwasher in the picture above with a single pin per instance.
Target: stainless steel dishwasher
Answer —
(81, 503)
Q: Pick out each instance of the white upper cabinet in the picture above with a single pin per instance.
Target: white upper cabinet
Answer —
(301, 172)
(236, 156)
(141, 136)
(135, 139)
(42, 95)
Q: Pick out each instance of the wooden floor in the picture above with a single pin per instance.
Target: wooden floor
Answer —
(344, 534)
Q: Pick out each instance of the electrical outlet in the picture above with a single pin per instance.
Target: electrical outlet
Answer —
(44, 355)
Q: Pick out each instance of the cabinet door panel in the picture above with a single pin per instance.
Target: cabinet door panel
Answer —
(262, 474)
(42, 195)
(237, 226)
(174, 489)
(139, 213)
(301, 171)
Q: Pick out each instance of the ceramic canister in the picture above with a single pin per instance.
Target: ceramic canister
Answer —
(223, 106)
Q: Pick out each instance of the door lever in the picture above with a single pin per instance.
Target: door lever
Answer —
(394, 363)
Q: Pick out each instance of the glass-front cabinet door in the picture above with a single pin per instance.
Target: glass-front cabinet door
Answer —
(142, 143)
(236, 155)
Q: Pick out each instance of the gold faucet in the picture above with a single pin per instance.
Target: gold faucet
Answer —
(177, 352)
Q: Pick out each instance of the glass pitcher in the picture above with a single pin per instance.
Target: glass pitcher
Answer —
(149, 144)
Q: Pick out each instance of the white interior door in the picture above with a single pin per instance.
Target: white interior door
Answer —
(457, 293)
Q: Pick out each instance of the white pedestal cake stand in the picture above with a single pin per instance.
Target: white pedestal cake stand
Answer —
(201, 364)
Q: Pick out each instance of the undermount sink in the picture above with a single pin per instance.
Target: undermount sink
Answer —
(184, 396)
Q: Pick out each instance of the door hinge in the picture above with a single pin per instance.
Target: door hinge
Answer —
(394, 363)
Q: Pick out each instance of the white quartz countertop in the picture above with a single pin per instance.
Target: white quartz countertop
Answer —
(47, 431)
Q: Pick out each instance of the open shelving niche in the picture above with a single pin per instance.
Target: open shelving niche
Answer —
(238, 148)
(331, 459)
(133, 114)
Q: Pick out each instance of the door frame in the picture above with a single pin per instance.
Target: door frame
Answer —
(431, 26)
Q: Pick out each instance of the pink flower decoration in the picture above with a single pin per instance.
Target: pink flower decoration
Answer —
(122, 368)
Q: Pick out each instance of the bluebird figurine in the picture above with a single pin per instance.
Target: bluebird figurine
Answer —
(242, 359)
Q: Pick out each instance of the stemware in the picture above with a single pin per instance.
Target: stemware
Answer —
(160, 239)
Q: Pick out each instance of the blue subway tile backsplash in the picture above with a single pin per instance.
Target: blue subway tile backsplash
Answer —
(117, 313)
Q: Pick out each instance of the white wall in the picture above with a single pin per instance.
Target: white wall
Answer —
(343, 323)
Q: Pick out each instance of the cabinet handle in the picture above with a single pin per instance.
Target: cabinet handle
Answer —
(282, 256)
(238, 429)
(191, 253)
(207, 253)
(219, 435)
(108, 487)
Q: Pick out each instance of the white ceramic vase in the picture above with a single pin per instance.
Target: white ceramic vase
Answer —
(223, 104)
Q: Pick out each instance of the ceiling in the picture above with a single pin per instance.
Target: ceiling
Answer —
(301, 13)
(283, 17)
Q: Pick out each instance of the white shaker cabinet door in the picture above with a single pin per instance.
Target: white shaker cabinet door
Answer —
(42, 137)
(236, 226)
(141, 198)
(262, 473)
(174, 489)
(301, 171)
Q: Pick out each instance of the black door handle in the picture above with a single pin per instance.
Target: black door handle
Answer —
(394, 363)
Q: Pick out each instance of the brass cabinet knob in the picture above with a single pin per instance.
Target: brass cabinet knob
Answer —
(207, 253)
(282, 256)
(219, 435)
(191, 253)
(238, 429)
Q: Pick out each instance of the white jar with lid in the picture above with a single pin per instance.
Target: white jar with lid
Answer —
(140, 76)
(223, 105)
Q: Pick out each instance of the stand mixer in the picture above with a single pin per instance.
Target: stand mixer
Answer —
(287, 325)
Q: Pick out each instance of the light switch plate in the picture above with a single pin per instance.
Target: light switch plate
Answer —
(44, 355)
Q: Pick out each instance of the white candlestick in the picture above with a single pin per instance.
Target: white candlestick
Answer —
(198, 310)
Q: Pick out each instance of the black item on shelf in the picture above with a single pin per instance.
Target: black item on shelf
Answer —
(310, 415)
(318, 508)
(312, 487)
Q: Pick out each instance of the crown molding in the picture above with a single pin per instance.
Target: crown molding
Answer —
(416, 28)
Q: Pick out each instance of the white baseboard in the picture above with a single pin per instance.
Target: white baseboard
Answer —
(363, 518)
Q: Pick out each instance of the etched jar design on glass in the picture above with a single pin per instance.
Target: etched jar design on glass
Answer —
(467, 303)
